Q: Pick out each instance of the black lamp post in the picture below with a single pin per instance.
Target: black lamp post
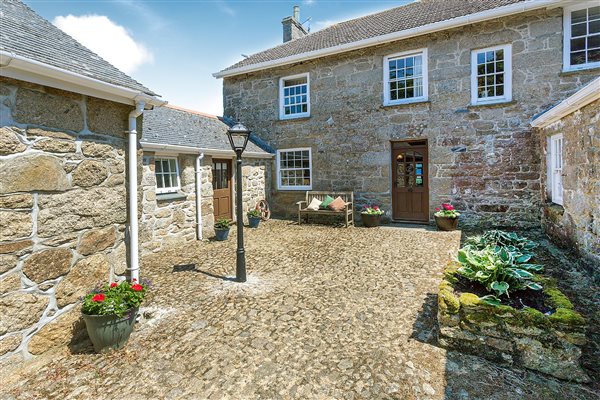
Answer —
(238, 139)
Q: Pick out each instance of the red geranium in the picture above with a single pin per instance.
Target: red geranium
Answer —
(437, 209)
(447, 207)
(137, 287)
(99, 298)
(114, 284)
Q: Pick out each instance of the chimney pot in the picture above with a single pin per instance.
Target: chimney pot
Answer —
(297, 13)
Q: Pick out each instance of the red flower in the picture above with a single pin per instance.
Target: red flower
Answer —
(447, 207)
(437, 209)
(99, 298)
(134, 280)
(114, 284)
(137, 287)
(375, 208)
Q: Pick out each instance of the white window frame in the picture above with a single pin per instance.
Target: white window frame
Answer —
(507, 76)
(282, 114)
(556, 168)
(386, 78)
(171, 189)
(567, 37)
(280, 186)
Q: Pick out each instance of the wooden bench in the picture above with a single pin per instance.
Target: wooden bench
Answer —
(348, 212)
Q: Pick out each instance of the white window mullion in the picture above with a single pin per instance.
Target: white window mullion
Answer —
(405, 77)
(290, 177)
(169, 171)
(556, 159)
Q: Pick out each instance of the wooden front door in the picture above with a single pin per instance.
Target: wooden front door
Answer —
(221, 181)
(410, 183)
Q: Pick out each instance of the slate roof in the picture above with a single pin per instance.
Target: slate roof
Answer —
(397, 19)
(176, 126)
(26, 34)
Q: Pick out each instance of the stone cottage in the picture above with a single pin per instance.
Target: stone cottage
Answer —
(421, 104)
(68, 155)
(569, 135)
(188, 166)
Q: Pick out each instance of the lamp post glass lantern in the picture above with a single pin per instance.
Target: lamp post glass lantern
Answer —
(238, 139)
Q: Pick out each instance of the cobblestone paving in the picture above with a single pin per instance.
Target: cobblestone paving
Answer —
(327, 313)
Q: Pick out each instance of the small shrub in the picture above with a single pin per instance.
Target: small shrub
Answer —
(254, 214)
(499, 261)
(223, 223)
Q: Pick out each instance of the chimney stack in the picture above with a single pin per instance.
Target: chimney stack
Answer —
(292, 28)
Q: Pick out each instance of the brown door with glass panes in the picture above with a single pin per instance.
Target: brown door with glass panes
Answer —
(410, 187)
(221, 181)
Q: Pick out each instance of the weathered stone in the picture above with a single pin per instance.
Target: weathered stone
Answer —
(9, 343)
(81, 209)
(20, 310)
(10, 283)
(118, 259)
(55, 146)
(89, 173)
(9, 142)
(19, 247)
(107, 117)
(62, 331)
(115, 180)
(56, 111)
(84, 276)
(15, 225)
(97, 240)
(36, 172)
(47, 264)
(98, 150)
(16, 201)
(7, 262)
(33, 132)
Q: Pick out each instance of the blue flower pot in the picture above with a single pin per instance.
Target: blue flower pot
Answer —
(253, 222)
(221, 234)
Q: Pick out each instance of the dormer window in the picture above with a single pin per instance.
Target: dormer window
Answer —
(582, 36)
(294, 97)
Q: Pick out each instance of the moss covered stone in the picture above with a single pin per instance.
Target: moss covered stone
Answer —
(448, 302)
(566, 316)
(469, 300)
(557, 299)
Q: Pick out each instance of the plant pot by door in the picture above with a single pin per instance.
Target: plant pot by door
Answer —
(446, 224)
(110, 331)
(221, 234)
(253, 222)
(370, 220)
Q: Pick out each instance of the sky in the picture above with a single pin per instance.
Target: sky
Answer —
(174, 46)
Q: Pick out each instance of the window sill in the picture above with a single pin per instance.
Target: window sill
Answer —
(171, 196)
(497, 104)
(302, 118)
(303, 189)
(406, 103)
(574, 71)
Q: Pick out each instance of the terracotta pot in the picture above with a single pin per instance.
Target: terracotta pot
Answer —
(370, 220)
(110, 331)
(221, 234)
(446, 224)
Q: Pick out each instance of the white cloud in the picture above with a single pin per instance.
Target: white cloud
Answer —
(109, 40)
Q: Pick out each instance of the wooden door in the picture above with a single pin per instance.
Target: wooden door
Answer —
(221, 181)
(410, 183)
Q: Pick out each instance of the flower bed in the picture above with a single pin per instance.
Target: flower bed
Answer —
(534, 325)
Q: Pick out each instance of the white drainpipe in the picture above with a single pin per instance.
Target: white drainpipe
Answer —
(134, 266)
(199, 196)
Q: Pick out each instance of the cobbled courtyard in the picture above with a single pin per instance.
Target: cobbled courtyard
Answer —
(327, 313)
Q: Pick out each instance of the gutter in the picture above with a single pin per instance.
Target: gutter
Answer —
(23, 68)
(390, 37)
(134, 266)
(579, 99)
(196, 150)
(199, 196)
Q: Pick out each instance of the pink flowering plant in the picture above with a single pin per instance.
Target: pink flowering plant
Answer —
(114, 298)
(372, 210)
(446, 211)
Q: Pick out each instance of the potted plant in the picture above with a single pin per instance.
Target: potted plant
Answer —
(371, 216)
(446, 217)
(110, 312)
(222, 229)
(254, 218)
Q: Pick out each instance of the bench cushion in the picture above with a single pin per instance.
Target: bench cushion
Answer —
(314, 204)
(338, 204)
(324, 205)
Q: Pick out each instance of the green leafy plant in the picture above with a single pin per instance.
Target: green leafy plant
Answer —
(372, 210)
(223, 223)
(253, 214)
(500, 262)
(114, 299)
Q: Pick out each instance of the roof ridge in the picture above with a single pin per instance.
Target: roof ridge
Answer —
(190, 111)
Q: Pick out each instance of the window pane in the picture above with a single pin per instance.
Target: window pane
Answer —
(500, 90)
(594, 12)
(499, 55)
(480, 58)
(593, 42)
(578, 16)
(578, 44)
(595, 26)
(159, 182)
(157, 166)
(578, 58)
(594, 55)
(167, 179)
(578, 30)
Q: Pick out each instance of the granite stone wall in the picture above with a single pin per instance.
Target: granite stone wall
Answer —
(63, 207)
(483, 159)
(170, 220)
(577, 222)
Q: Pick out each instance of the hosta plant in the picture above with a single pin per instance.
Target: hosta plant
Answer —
(502, 238)
(114, 299)
(501, 269)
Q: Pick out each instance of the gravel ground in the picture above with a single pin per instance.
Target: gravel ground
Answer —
(327, 313)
